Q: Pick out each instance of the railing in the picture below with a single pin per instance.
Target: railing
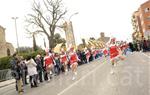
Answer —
(5, 75)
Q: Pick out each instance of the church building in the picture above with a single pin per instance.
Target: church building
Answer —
(6, 49)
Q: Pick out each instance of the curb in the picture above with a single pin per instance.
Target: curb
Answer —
(7, 84)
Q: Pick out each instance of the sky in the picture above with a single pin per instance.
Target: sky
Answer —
(113, 17)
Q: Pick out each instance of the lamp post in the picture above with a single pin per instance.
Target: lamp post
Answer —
(15, 18)
(73, 15)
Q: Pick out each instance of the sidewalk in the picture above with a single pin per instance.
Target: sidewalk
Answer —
(6, 83)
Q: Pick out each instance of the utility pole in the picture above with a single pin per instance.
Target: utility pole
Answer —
(15, 18)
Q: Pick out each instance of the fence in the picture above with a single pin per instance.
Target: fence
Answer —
(5, 75)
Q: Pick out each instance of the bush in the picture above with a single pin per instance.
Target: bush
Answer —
(32, 54)
(5, 63)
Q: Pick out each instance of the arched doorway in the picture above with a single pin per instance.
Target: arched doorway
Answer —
(8, 52)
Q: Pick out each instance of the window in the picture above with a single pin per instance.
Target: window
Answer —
(147, 10)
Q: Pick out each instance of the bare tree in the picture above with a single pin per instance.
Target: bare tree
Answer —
(45, 18)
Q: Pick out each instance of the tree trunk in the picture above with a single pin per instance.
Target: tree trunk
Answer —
(51, 42)
(34, 43)
(51, 38)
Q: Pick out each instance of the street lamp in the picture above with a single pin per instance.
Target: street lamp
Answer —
(73, 15)
(15, 18)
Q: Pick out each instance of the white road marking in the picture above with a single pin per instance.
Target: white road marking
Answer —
(69, 87)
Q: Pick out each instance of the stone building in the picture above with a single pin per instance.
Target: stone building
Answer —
(70, 39)
(103, 38)
(6, 49)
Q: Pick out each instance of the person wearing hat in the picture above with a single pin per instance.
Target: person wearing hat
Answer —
(73, 61)
(48, 64)
(115, 53)
(64, 60)
(105, 52)
(88, 54)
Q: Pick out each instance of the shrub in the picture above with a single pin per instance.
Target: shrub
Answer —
(32, 54)
(5, 63)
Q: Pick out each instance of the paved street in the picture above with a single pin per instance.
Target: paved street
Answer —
(131, 77)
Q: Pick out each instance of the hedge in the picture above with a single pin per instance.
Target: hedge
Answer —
(5, 61)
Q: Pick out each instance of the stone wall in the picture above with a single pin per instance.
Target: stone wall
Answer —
(5, 47)
(2, 35)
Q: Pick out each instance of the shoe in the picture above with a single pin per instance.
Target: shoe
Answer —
(36, 86)
(41, 81)
(75, 73)
(73, 78)
(48, 79)
(51, 73)
(20, 92)
(111, 72)
(51, 77)
(66, 70)
(32, 85)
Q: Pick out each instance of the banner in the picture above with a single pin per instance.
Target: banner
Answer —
(57, 48)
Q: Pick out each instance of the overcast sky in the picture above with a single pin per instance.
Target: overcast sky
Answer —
(110, 16)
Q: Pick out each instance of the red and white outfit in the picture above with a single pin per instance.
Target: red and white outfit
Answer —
(73, 58)
(63, 58)
(94, 52)
(48, 60)
(114, 53)
(87, 53)
(105, 52)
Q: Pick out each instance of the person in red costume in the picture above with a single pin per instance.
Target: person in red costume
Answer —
(115, 53)
(88, 54)
(93, 52)
(48, 63)
(73, 61)
(64, 60)
(105, 52)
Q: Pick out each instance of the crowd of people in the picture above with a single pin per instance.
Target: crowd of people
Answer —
(44, 68)
(143, 45)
